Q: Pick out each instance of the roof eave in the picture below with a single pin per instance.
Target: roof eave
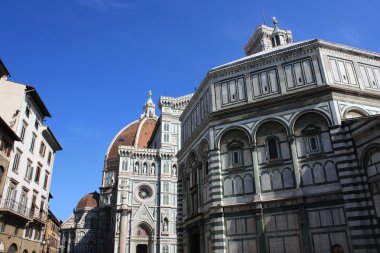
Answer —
(48, 134)
(37, 99)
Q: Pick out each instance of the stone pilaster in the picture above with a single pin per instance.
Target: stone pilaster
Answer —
(124, 211)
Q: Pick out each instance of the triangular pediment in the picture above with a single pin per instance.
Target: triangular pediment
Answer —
(69, 223)
(144, 214)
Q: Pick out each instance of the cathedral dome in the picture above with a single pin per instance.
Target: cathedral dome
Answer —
(89, 200)
(136, 134)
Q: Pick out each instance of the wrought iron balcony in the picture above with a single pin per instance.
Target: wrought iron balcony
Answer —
(15, 208)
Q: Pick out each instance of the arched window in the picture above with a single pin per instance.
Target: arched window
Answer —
(273, 148)
(12, 248)
(165, 249)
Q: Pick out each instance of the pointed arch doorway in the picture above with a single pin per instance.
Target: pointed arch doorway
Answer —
(142, 248)
(143, 239)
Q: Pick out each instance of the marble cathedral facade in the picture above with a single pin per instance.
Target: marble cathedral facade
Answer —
(135, 211)
(281, 151)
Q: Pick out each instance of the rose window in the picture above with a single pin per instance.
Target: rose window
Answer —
(145, 192)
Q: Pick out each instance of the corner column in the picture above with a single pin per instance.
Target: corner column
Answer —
(124, 211)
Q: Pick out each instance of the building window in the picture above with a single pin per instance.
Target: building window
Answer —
(313, 143)
(273, 148)
(205, 165)
(50, 156)
(235, 151)
(27, 111)
(42, 149)
(233, 90)
(299, 73)
(29, 171)
(166, 137)
(23, 202)
(265, 82)
(46, 180)
(11, 195)
(165, 186)
(38, 174)
(343, 71)
(312, 139)
(23, 130)
(16, 160)
(165, 200)
(33, 142)
(5, 146)
(371, 76)
(166, 126)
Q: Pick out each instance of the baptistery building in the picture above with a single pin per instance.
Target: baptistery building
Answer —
(281, 150)
(136, 208)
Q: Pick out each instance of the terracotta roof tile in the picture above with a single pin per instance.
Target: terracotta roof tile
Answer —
(90, 200)
(128, 137)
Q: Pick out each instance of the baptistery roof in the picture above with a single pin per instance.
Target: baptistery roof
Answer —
(136, 134)
(89, 200)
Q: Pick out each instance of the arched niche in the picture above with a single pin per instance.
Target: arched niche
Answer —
(311, 132)
(234, 149)
(272, 142)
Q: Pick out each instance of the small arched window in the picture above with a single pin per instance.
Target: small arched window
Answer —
(273, 148)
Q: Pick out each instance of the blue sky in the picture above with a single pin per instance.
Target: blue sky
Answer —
(93, 61)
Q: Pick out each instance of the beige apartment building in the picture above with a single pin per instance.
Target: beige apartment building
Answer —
(26, 181)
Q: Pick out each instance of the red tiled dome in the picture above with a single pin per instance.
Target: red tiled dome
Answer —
(136, 134)
(90, 200)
